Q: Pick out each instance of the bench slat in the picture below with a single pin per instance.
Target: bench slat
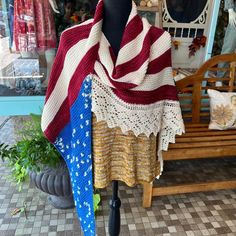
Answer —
(190, 188)
(197, 129)
(203, 138)
(218, 69)
(183, 96)
(203, 133)
(198, 153)
(203, 144)
(202, 114)
(223, 88)
(205, 105)
(190, 125)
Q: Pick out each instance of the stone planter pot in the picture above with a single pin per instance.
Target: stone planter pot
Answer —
(55, 182)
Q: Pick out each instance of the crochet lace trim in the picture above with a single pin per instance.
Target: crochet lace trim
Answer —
(163, 117)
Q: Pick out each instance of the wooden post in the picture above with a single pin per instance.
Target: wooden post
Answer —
(147, 194)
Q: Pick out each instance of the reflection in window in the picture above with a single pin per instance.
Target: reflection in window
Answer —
(21, 77)
(185, 11)
(29, 34)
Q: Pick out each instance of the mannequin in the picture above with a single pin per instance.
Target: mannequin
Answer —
(116, 13)
(108, 114)
(115, 16)
(229, 45)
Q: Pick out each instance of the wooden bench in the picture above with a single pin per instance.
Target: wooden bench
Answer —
(198, 141)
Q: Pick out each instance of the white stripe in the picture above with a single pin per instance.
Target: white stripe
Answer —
(87, 22)
(94, 35)
(135, 77)
(134, 47)
(160, 46)
(102, 74)
(59, 94)
(152, 82)
(104, 55)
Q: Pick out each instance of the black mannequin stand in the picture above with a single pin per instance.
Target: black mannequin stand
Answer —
(115, 17)
(114, 218)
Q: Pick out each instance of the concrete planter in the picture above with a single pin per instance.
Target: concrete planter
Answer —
(55, 182)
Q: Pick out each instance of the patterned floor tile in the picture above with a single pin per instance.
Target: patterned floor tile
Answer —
(196, 214)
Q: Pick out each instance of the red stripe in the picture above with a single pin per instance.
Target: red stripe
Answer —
(68, 39)
(135, 63)
(63, 115)
(98, 13)
(58, 123)
(85, 67)
(132, 30)
(160, 63)
(155, 33)
(168, 92)
(118, 85)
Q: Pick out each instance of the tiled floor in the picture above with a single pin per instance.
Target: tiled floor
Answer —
(211, 213)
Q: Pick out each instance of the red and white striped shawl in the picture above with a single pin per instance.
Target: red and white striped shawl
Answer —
(134, 91)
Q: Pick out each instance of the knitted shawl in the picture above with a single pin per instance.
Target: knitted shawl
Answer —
(134, 91)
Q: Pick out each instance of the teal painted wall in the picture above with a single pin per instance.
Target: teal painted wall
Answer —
(11, 106)
(212, 29)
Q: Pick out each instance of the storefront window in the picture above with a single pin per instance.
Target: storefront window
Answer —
(29, 34)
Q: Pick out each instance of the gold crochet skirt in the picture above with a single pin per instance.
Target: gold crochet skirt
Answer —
(124, 157)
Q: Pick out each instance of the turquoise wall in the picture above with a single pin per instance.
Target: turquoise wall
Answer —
(21, 105)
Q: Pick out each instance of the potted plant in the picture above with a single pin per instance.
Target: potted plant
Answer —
(35, 156)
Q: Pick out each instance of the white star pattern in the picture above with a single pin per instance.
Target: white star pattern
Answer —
(76, 148)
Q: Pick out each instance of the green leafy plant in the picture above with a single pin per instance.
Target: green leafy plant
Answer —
(31, 153)
(96, 201)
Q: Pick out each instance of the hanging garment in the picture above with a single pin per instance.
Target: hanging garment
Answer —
(24, 26)
(34, 27)
(6, 24)
(11, 20)
(229, 43)
(135, 92)
(4, 19)
(230, 4)
(45, 26)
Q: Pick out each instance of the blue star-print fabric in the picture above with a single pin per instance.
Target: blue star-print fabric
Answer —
(75, 145)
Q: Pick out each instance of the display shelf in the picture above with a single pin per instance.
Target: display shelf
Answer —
(157, 10)
(152, 9)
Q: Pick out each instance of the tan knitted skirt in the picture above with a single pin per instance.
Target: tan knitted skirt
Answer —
(124, 157)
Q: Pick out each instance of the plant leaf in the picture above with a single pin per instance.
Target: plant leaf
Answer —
(96, 201)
